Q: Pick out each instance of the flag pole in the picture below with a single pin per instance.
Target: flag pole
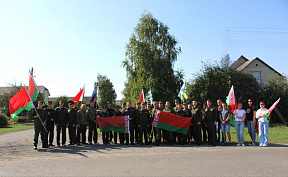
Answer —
(36, 110)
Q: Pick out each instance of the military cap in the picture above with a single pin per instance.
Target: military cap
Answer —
(70, 102)
(108, 102)
(160, 102)
(184, 103)
(143, 103)
(49, 102)
(149, 105)
(117, 106)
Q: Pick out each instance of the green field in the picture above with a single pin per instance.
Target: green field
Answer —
(16, 127)
(276, 134)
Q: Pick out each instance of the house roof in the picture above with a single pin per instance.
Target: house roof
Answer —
(247, 63)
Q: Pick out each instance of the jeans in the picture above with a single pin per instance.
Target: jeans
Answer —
(225, 128)
(251, 130)
(263, 133)
(239, 125)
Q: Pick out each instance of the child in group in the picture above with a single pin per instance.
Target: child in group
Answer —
(225, 123)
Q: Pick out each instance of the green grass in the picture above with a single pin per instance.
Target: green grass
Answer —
(276, 134)
(16, 127)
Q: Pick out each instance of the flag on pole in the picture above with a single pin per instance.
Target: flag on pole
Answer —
(183, 93)
(149, 96)
(94, 95)
(32, 89)
(141, 99)
(20, 102)
(80, 96)
(172, 122)
(232, 103)
(268, 116)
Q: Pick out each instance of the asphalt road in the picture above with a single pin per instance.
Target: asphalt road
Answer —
(17, 158)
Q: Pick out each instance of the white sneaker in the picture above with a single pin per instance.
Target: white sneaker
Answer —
(261, 145)
(238, 144)
(243, 144)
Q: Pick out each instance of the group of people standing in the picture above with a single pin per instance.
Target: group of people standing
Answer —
(207, 119)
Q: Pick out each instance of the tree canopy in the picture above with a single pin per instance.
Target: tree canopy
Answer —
(150, 57)
(106, 91)
(215, 80)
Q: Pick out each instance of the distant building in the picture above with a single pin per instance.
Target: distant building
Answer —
(257, 67)
(43, 90)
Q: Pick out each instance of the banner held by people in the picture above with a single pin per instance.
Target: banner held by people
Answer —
(113, 123)
(172, 122)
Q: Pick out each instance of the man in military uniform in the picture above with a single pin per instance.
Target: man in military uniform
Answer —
(187, 114)
(72, 118)
(61, 121)
(153, 112)
(169, 135)
(50, 123)
(111, 113)
(143, 123)
(211, 118)
(203, 125)
(82, 121)
(121, 135)
(158, 130)
(132, 113)
(219, 109)
(105, 135)
(76, 105)
(182, 139)
(176, 105)
(123, 108)
(196, 123)
(137, 130)
(92, 124)
(39, 126)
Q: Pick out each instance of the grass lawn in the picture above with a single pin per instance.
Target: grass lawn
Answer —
(16, 127)
(276, 134)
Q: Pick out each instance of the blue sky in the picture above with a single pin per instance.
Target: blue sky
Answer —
(68, 42)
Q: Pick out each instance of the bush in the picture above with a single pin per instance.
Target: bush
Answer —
(3, 119)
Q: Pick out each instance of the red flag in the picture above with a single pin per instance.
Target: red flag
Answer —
(172, 122)
(19, 102)
(80, 95)
(141, 99)
(32, 89)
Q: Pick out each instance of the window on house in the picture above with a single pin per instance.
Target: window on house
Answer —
(257, 75)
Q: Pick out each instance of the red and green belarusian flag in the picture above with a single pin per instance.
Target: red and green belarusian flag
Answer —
(32, 89)
(113, 123)
(232, 103)
(171, 122)
(268, 116)
(19, 102)
(80, 96)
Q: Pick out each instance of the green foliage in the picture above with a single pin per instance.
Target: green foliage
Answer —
(215, 80)
(3, 119)
(62, 98)
(4, 99)
(150, 56)
(106, 91)
(277, 88)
